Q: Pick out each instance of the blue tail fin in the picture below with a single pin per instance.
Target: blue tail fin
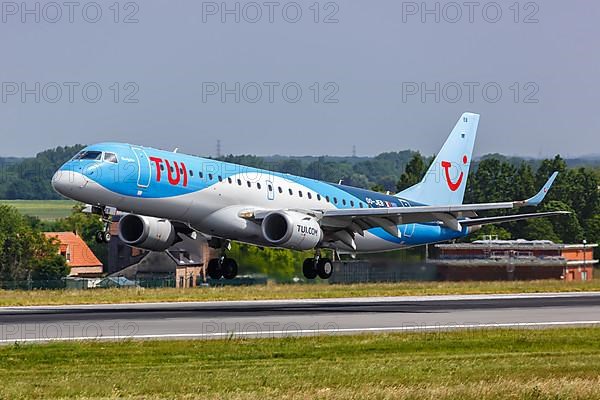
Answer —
(445, 181)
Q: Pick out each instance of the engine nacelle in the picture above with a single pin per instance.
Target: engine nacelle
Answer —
(291, 230)
(148, 233)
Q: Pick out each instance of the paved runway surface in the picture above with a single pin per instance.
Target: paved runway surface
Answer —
(296, 317)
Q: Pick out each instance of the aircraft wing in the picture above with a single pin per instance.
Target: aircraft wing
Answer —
(348, 222)
(452, 216)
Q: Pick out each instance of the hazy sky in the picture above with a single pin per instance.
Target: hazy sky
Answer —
(381, 75)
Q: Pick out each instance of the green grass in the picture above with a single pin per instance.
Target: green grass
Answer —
(487, 364)
(283, 291)
(46, 210)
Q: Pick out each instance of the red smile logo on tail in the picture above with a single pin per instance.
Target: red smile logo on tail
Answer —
(453, 185)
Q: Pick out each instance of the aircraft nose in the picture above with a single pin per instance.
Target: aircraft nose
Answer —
(67, 182)
(60, 182)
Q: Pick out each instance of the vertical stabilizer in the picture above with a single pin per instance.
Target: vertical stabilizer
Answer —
(446, 179)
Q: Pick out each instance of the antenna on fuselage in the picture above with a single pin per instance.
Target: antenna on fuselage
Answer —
(176, 150)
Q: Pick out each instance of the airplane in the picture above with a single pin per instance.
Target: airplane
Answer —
(163, 196)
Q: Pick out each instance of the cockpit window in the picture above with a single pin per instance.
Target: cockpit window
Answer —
(89, 155)
(111, 157)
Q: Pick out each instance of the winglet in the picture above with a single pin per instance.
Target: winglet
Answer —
(537, 199)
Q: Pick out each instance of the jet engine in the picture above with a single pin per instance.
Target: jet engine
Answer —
(291, 230)
(148, 233)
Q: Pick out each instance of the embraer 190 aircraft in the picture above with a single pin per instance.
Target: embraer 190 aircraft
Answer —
(164, 195)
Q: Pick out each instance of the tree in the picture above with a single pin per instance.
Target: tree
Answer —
(24, 251)
(524, 182)
(492, 182)
(566, 227)
(539, 229)
(413, 174)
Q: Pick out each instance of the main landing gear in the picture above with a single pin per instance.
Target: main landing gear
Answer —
(223, 266)
(317, 266)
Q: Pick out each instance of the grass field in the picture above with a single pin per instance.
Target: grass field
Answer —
(45, 210)
(488, 364)
(282, 291)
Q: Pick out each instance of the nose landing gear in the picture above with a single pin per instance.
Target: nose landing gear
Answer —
(104, 235)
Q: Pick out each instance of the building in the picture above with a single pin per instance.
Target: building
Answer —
(80, 258)
(515, 260)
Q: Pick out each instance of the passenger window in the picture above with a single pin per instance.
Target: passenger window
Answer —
(229, 180)
(210, 177)
(200, 174)
(191, 172)
(335, 200)
(344, 201)
(300, 193)
(351, 203)
(360, 205)
(291, 192)
(258, 186)
(162, 167)
(309, 195)
(318, 197)
(271, 189)
(327, 199)
(249, 183)
(220, 178)
(239, 182)
(111, 158)
(280, 189)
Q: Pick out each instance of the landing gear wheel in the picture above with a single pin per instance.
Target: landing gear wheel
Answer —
(309, 268)
(229, 268)
(103, 236)
(214, 269)
(324, 268)
(99, 237)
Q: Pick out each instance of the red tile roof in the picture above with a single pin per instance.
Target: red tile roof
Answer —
(80, 254)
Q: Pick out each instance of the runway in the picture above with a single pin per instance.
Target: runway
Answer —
(275, 318)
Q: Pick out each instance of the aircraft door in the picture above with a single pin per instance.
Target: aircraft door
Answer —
(143, 167)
